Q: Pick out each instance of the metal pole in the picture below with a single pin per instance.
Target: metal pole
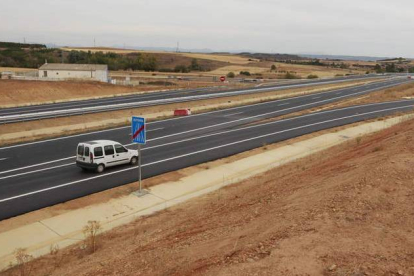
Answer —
(139, 168)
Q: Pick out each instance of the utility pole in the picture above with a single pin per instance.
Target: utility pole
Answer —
(178, 47)
(94, 43)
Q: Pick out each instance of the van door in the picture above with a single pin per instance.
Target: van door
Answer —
(122, 154)
(98, 155)
(79, 153)
(83, 153)
(110, 159)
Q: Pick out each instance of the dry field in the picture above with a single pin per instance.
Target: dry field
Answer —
(235, 59)
(346, 211)
(16, 69)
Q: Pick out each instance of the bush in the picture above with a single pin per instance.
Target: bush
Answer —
(91, 231)
(273, 67)
(231, 75)
(246, 73)
(290, 76)
(313, 76)
(181, 68)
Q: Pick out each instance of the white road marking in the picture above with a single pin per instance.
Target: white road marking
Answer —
(193, 153)
(314, 98)
(228, 115)
(155, 129)
(178, 118)
(37, 165)
(40, 170)
(149, 140)
(268, 113)
(1, 159)
(282, 104)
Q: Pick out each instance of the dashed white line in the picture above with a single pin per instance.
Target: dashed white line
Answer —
(228, 115)
(155, 129)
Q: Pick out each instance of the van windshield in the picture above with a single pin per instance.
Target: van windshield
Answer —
(80, 150)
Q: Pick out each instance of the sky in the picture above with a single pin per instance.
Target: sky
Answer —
(352, 27)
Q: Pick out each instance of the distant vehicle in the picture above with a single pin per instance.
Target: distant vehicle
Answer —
(100, 154)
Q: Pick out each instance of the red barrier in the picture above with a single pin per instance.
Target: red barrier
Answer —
(182, 112)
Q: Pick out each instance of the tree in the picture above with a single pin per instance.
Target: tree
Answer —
(273, 67)
(194, 65)
(390, 68)
(181, 68)
(378, 69)
(231, 75)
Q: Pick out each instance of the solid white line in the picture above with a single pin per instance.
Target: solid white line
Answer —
(193, 153)
(37, 165)
(264, 114)
(282, 104)
(149, 140)
(177, 118)
(314, 98)
(40, 170)
(1, 159)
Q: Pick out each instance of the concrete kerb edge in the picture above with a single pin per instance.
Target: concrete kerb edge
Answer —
(320, 142)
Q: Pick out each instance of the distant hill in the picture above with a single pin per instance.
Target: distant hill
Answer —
(12, 45)
(271, 57)
(340, 57)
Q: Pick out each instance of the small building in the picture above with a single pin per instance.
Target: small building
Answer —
(97, 72)
(6, 75)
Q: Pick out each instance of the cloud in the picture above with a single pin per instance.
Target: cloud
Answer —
(369, 27)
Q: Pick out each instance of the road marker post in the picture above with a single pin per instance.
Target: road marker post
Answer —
(139, 137)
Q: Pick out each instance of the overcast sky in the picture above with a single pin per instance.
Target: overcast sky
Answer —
(349, 27)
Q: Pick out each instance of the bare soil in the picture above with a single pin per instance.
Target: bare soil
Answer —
(346, 211)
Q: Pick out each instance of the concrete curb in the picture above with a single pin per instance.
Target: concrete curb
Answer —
(66, 229)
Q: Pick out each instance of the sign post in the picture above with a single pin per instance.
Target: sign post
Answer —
(139, 136)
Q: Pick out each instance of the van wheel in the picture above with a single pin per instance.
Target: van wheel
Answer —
(100, 168)
(134, 160)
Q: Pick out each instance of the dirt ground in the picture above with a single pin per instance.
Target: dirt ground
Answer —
(19, 93)
(346, 211)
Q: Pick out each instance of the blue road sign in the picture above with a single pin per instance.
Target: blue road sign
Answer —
(138, 130)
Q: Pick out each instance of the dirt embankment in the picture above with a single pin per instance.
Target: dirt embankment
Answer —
(347, 211)
(19, 93)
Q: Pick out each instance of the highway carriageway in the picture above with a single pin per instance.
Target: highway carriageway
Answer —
(71, 108)
(43, 173)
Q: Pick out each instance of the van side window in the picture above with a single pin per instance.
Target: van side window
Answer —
(120, 149)
(86, 151)
(80, 150)
(98, 152)
(109, 150)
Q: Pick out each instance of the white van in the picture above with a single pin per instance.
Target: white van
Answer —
(100, 154)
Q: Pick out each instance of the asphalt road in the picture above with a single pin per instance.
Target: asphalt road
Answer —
(40, 174)
(27, 113)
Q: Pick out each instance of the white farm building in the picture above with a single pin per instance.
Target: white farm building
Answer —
(97, 72)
